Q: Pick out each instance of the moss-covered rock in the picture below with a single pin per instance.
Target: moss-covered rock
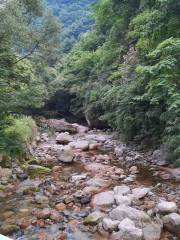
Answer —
(36, 170)
(93, 218)
(9, 228)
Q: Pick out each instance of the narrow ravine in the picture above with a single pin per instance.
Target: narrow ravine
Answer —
(85, 185)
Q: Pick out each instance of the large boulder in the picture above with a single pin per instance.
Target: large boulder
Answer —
(80, 144)
(152, 232)
(61, 126)
(139, 217)
(139, 193)
(63, 138)
(104, 199)
(128, 231)
(172, 223)
(66, 154)
(165, 207)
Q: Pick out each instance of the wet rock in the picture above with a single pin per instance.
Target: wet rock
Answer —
(40, 199)
(152, 232)
(66, 154)
(93, 218)
(85, 199)
(165, 207)
(140, 192)
(121, 190)
(9, 228)
(103, 199)
(123, 200)
(138, 216)
(98, 182)
(172, 223)
(80, 144)
(110, 225)
(63, 138)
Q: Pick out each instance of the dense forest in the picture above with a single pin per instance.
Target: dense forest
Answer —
(125, 72)
(118, 59)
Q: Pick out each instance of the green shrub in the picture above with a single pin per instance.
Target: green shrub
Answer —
(16, 135)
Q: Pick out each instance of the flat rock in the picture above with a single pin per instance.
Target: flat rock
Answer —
(104, 199)
(80, 144)
(152, 232)
(139, 217)
(121, 190)
(98, 182)
(166, 207)
(172, 223)
(139, 193)
(63, 138)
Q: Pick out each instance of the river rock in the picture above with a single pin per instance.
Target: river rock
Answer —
(66, 154)
(80, 128)
(63, 138)
(139, 193)
(110, 225)
(103, 199)
(90, 190)
(36, 170)
(172, 223)
(152, 232)
(139, 217)
(41, 199)
(123, 200)
(8, 228)
(165, 207)
(128, 231)
(78, 178)
(80, 144)
(133, 170)
(94, 218)
(61, 126)
(121, 190)
(98, 182)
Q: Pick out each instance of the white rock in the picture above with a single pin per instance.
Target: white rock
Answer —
(166, 207)
(103, 199)
(121, 190)
(133, 170)
(63, 138)
(128, 234)
(152, 232)
(172, 223)
(98, 182)
(140, 192)
(80, 144)
(66, 154)
(123, 200)
(109, 225)
(139, 217)
(126, 223)
(76, 178)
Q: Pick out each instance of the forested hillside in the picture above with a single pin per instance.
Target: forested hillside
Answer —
(125, 72)
(75, 17)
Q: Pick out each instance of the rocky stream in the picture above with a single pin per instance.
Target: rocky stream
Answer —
(84, 184)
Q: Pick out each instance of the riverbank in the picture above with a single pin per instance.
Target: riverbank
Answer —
(84, 184)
